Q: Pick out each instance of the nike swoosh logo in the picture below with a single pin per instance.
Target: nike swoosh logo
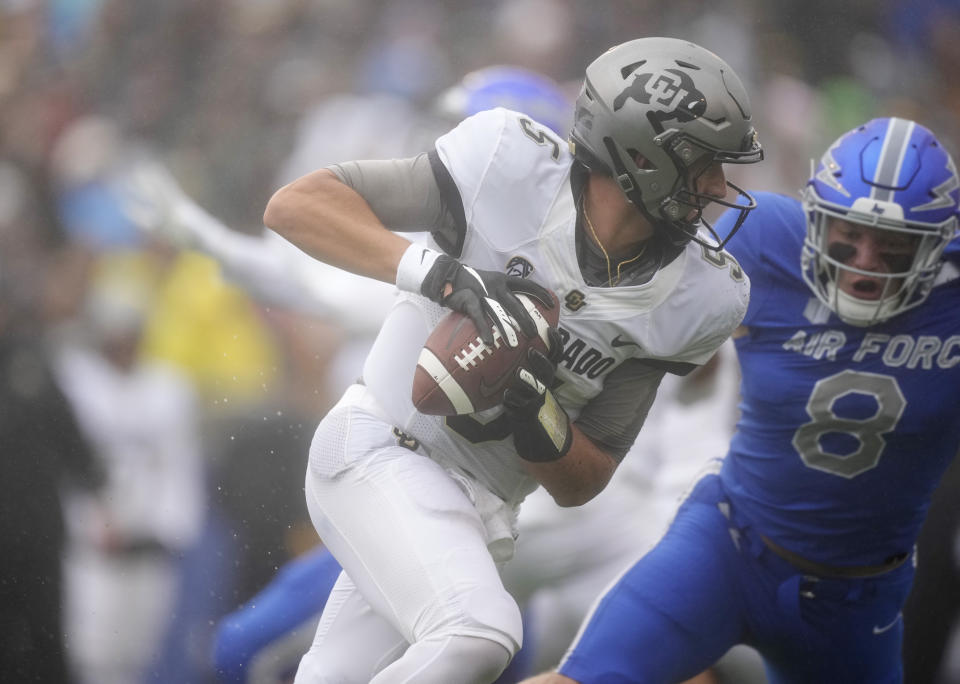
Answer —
(498, 385)
(423, 254)
(619, 342)
(887, 628)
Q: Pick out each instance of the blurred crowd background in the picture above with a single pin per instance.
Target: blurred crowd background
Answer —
(194, 475)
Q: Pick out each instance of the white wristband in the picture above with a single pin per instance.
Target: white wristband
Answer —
(414, 265)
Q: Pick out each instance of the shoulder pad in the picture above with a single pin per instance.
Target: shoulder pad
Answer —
(508, 169)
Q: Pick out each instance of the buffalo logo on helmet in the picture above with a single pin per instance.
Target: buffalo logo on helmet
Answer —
(670, 93)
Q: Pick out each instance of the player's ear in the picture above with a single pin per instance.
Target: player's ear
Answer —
(643, 163)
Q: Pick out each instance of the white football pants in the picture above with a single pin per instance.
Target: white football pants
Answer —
(420, 599)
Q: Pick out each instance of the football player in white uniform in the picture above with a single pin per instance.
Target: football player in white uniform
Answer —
(420, 510)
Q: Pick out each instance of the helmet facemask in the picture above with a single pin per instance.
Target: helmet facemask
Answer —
(683, 208)
(894, 185)
(910, 269)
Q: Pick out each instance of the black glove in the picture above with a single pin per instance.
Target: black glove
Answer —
(479, 294)
(541, 428)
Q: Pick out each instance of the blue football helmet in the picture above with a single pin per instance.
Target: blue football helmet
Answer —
(892, 175)
(521, 90)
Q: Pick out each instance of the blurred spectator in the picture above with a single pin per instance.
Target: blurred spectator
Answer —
(140, 416)
(43, 451)
(213, 334)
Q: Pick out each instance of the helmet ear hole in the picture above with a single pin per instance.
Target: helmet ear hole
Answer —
(641, 161)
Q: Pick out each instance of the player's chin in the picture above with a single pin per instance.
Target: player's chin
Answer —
(697, 210)
(694, 214)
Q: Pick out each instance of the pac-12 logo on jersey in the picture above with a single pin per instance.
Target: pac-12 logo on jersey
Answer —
(519, 267)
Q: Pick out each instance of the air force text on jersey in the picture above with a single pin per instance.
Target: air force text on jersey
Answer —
(911, 351)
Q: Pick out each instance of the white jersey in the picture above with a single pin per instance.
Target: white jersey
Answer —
(513, 177)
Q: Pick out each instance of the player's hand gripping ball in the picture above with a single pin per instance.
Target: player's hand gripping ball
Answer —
(458, 373)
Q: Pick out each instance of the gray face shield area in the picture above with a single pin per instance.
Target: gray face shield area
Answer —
(737, 199)
(681, 211)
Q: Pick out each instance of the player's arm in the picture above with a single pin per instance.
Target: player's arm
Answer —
(341, 216)
(574, 461)
(579, 475)
(333, 221)
(154, 201)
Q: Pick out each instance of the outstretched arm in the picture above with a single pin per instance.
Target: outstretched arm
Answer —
(267, 267)
(345, 216)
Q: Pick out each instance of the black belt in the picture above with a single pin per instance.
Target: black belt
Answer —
(810, 567)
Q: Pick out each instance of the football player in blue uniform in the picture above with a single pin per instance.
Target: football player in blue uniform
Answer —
(801, 541)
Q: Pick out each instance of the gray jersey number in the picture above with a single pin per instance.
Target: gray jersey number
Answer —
(867, 431)
(723, 259)
(540, 137)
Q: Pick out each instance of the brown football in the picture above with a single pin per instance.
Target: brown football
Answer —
(457, 373)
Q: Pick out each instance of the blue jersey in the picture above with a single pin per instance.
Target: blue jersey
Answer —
(845, 431)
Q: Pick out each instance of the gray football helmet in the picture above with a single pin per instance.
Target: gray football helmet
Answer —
(651, 110)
